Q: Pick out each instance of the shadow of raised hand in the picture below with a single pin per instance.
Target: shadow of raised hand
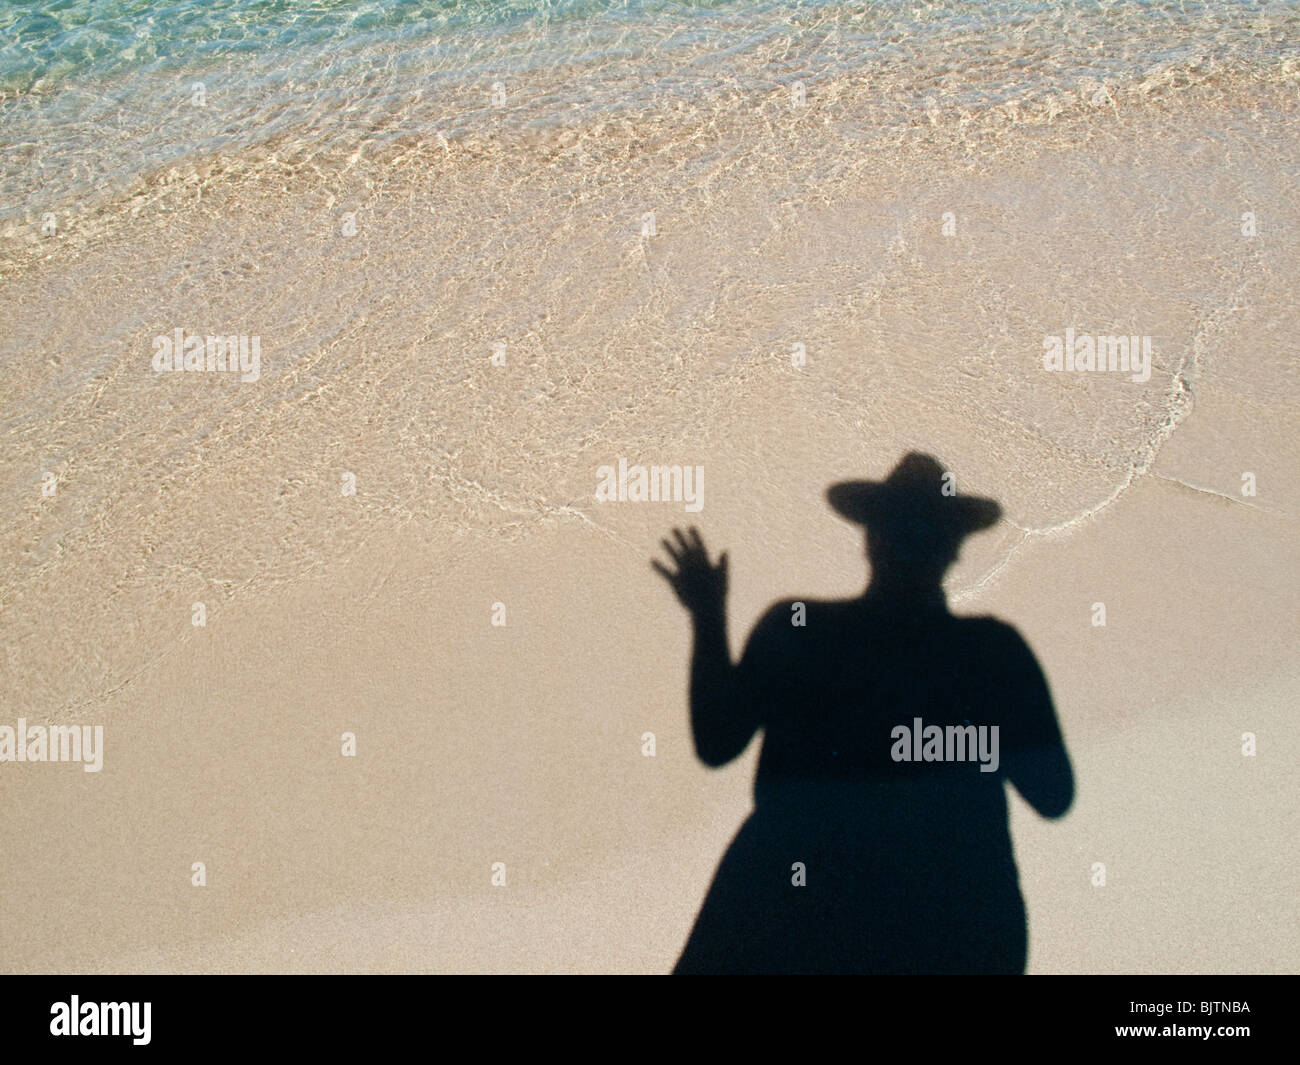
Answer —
(700, 585)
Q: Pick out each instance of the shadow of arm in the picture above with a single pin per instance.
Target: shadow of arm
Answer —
(1035, 761)
(724, 714)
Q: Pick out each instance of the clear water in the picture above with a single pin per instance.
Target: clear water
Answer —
(341, 182)
(93, 93)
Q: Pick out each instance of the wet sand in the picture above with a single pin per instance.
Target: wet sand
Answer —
(372, 613)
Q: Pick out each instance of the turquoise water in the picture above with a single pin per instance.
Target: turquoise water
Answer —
(96, 92)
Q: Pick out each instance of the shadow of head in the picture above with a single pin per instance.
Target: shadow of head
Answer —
(915, 521)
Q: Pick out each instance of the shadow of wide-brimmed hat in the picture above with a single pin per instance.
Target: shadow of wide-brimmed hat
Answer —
(913, 492)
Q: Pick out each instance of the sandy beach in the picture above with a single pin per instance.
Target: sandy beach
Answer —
(458, 328)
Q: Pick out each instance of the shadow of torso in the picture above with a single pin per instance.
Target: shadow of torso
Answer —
(906, 866)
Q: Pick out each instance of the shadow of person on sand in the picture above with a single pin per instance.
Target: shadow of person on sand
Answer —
(879, 840)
